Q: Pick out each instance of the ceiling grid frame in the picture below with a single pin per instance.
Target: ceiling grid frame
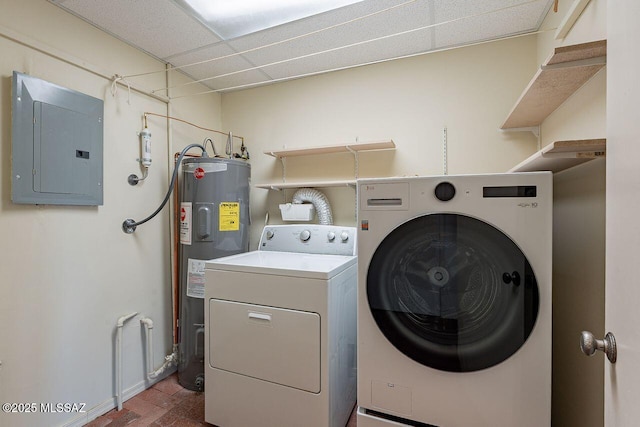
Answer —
(362, 33)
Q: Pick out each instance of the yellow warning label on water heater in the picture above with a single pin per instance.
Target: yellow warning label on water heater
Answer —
(229, 216)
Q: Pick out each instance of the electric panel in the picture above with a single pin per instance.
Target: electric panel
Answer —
(57, 140)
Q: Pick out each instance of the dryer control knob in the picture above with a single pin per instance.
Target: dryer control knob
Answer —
(344, 236)
(305, 235)
(331, 236)
(445, 191)
(269, 234)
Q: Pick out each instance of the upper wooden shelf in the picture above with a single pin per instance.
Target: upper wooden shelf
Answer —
(342, 148)
(568, 68)
(562, 155)
(304, 184)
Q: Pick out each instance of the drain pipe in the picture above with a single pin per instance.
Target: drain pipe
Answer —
(119, 325)
(169, 360)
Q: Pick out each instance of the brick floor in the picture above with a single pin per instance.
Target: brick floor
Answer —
(165, 404)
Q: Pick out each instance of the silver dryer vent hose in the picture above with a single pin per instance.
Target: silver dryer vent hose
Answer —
(319, 202)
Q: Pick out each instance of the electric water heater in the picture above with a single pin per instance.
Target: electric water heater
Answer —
(214, 222)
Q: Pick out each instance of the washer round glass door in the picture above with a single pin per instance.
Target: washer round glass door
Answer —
(452, 292)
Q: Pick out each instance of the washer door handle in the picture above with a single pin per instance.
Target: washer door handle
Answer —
(589, 345)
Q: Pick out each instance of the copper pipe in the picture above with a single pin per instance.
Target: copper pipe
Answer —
(176, 250)
(176, 256)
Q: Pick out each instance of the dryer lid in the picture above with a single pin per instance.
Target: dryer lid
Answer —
(301, 265)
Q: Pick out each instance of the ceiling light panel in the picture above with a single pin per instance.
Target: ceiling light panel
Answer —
(157, 27)
(360, 32)
(312, 24)
(232, 18)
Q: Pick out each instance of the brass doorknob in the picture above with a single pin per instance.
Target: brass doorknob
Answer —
(589, 345)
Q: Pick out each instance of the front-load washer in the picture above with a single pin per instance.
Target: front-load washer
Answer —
(280, 330)
(454, 301)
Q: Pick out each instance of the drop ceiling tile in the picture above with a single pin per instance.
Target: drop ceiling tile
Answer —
(399, 46)
(411, 16)
(216, 59)
(211, 76)
(156, 26)
(388, 29)
(503, 23)
(237, 81)
(218, 66)
(451, 10)
(469, 21)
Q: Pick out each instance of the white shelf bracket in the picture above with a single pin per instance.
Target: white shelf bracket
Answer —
(283, 160)
(533, 129)
(355, 161)
(445, 152)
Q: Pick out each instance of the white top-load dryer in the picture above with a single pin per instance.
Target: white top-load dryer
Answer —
(280, 330)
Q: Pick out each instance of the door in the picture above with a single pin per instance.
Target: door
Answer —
(622, 379)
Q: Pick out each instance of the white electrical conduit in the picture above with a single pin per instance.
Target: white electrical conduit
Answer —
(62, 56)
(168, 360)
(119, 325)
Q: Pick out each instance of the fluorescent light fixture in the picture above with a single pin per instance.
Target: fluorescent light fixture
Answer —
(235, 18)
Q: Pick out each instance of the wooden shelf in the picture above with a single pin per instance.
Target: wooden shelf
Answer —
(305, 184)
(568, 68)
(342, 148)
(562, 155)
(354, 149)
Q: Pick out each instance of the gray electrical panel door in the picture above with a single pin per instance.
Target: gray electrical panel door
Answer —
(57, 138)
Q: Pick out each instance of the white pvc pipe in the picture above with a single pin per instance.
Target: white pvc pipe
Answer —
(168, 360)
(119, 325)
(148, 326)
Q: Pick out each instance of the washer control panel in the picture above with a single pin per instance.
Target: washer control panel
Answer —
(309, 238)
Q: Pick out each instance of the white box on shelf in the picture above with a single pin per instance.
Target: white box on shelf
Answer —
(297, 212)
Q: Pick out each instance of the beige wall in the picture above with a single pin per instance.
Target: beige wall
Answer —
(469, 91)
(579, 234)
(578, 295)
(622, 379)
(68, 273)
